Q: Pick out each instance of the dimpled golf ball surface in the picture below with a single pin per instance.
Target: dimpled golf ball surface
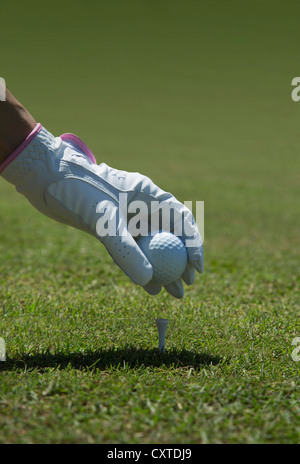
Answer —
(167, 255)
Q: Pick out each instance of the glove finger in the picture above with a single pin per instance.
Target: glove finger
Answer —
(186, 226)
(196, 256)
(152, 288)
(175, 288)
(193, 242)
(189, 274)
(127, 255)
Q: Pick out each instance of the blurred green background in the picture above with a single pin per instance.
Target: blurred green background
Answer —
(197, 95)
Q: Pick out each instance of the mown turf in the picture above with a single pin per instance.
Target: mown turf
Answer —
(199, 100)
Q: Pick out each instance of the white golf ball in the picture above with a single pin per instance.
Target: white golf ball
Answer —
(167, 255)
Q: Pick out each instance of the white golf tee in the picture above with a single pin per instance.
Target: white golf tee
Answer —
(161, 325)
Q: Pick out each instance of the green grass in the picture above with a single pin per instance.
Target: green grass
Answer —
(198, 100)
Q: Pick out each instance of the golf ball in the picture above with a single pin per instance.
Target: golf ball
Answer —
(167, 255)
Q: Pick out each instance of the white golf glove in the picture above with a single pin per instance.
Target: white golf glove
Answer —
(60, 177)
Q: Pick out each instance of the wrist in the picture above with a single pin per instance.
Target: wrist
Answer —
(6, 159)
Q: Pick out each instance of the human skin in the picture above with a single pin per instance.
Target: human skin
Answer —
(16, 123)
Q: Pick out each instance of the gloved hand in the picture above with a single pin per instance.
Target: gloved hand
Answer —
(60, 177)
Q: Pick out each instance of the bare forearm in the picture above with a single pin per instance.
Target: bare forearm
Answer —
(15, 125)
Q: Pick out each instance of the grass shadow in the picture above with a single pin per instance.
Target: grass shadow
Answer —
(128, 357)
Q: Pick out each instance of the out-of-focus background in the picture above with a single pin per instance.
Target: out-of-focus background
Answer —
(197, 96)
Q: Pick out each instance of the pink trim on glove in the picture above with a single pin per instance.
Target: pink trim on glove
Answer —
(21, 147)
(73, 138)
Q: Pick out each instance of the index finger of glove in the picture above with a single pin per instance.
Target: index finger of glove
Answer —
(124, 250)
(193, 241)
(128, 256)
